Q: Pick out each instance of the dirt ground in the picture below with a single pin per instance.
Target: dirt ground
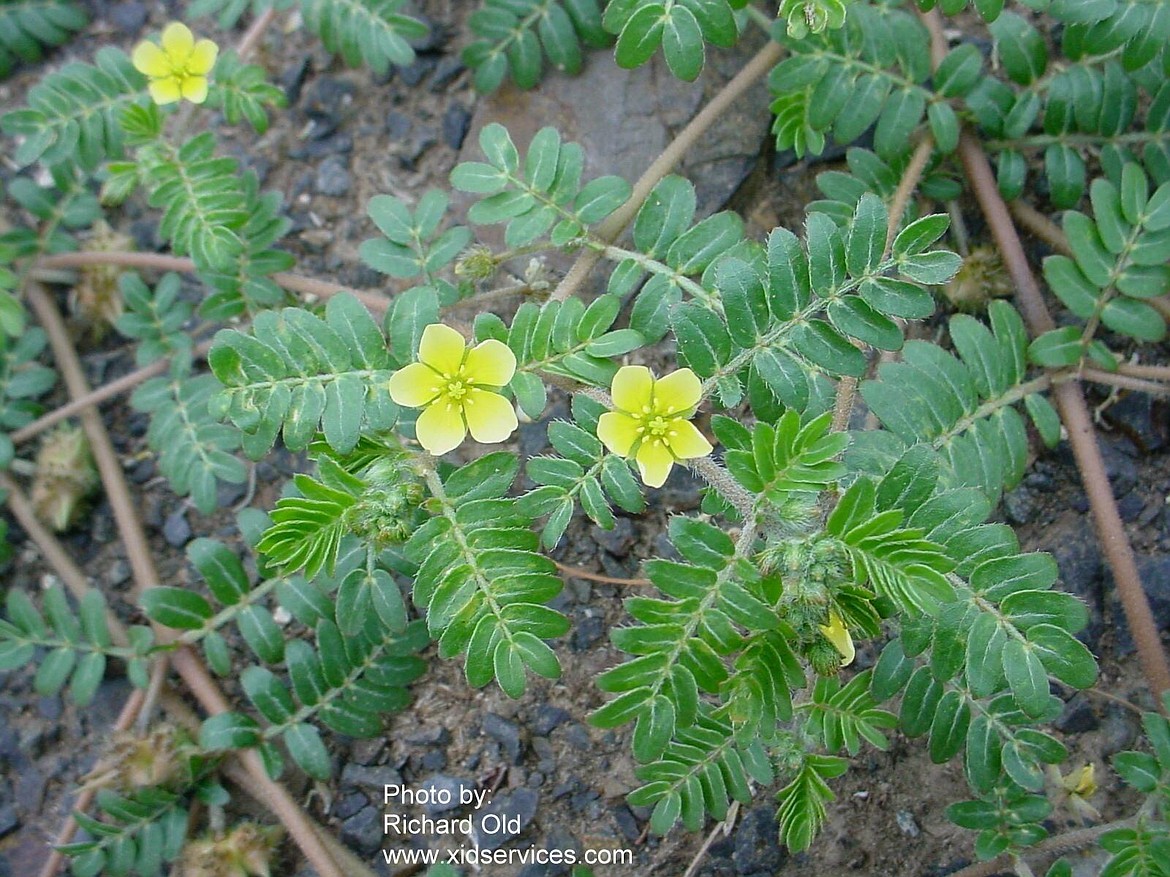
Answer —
(347, 136)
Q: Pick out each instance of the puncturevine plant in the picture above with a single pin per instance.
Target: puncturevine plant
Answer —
(816, 531)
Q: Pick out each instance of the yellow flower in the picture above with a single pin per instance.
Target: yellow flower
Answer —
(838, 634)
(178, 69)
(455, 386)
(651, 422)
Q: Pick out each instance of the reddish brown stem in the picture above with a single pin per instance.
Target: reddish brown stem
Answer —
(1070, 402)
(292, 282)
(575, 572)
(138, 553)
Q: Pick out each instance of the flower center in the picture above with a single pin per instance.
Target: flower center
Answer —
(657, 426)
(457, 388)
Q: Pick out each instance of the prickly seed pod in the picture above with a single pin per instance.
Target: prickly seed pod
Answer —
(245, 851)
(824, 657)
(387, 510)
(160, 759)
(476, 263)
(982, 278)
(65, 476)
(96, 300)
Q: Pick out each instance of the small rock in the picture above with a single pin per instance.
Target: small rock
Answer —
(757, 845)
(432, 736)
(415, 73)
(50, 708)
(142, 472)
(370, 779)
(617, 541)
(9, 821)
(128, 17)
(906, 823)
(228, 494)
(347, 805)
(311, 150)
(1143, 420)
(432, 40)
(397, 125)
(506, 733)
(366, 751)
(1131, 506)
(436, 759)
(328, 95)
(333, 178)
(504, 818)
(456, 121)
(453, 786)
(292, 79)
(1119, 466)
(589, 630)
(1078, 717)
(1019, 506)
(548, 719)
(626, 822)
(445, 73)
(578, 737)
(1118, 731)
(364, 829)
(176, 530)
(118, 573)
(1074, 548)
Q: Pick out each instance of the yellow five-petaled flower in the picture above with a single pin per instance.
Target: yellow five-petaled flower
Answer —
(178, 68)
(651, 422)
(838, 634)
(456, 387)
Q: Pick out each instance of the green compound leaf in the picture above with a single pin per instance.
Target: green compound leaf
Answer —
(30, 26)
(371, 32)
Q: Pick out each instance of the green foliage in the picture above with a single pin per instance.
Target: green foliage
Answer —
(78, 643)
(370, 32)
(962, 405)
(802, 801)
(1120, 262)
(842, 81)
(22, 381)
(27, 27)
(141, 833)
(229, 12)
(412, 244)
(73, 115)
(516, 36)
(154, 319)
(243, 91)
(481, 581)
(67, 205)
(543, 193)
(681, 27)
(1009, 817)
(1143, 849)
(297, 373)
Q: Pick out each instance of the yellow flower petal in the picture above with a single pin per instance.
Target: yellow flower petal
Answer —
(618, 432)
(440, 428)
(150, 60)
(178, 42)
(415, 385)
(685, 440)
(441, 348)
(194, 89)
(202, 58)
(836, 633)
(165, 91)
(490, 416)
(654, 462)
(491, 363)
(632, 388)
(677, 392)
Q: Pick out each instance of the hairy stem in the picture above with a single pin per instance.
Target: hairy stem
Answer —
(609, 230)
(1068, 842)
(185, 662)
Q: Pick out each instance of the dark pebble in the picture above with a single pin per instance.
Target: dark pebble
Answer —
(617, 541)
(228, 494)
(176, 530)
(578, 737)
(626, 822)
(1077, 718)
(436, 759)
(548, 719)
(371, 780)
(292, 79)
(1119, 466)
(589, 630)
(347, 805)
(1154, 571)
(327, 95)
(364, 829)
(49, 708)
(142, 472)
(397, 125)
(446, 71)
(415, 73)
(146, 236)
(581, 801)
(1018, 506)
(1081, 571)
(9, 821)
(366, 751)
(1119, 731)
(333, 178)
(1142, 418)
(439, 783)
(422, 140)
(506, 733)
(518, 802)
(757, 846)
(456, 121)
(432, 736)
(339, 144)
(432, 40)
(1131, 506)
(128, 17)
